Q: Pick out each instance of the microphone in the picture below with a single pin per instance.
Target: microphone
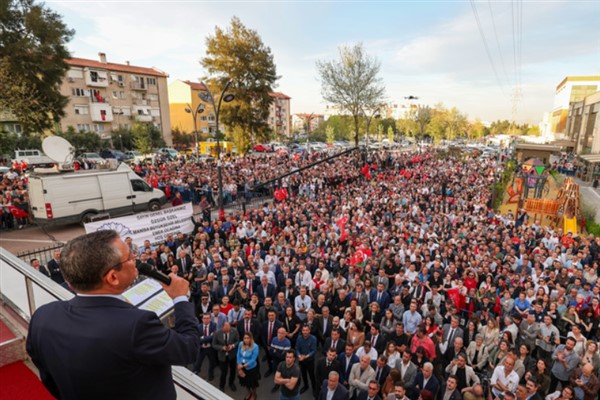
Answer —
(151, 272)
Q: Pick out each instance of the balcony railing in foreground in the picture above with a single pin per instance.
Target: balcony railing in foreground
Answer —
(24, 289)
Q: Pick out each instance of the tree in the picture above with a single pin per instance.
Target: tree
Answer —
(352, 82)
(407, 126)
(330, 134)
(238, 54)
(182, 139)
(456, 124)
(32, 63)
(146, 137)
(122, 138)
(390, 134)
(476, 130)
(422, 117)
(82, 141)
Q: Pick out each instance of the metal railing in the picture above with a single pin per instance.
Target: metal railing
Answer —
(24, 289)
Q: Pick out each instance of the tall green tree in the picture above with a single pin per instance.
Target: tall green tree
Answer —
(146, 137)
(239, 54)
(82, 141)
(32, 63)
(330, 134)
(422, 117)
(352, 83)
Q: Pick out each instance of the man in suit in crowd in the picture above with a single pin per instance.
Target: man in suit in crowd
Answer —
(449, 390)
(533, 386)
(184, 262)
(377, 340)
(325, 365)
(67, 340)
(332, 384)
(381, 368)
(334, 342)
(361, 374)
(223, 289)
(248, 324)
(425, 380)
(372, 392)
(380, 296)
(225, 342)
(54, 268)
(347, 361)
(267, 332)
(408, 370)
(265, 289)
(451, 331)
(324, 324)
(207, 330)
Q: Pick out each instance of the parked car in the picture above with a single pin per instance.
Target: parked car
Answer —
(116, 154)
(95, 157)
(171, 154)
(136, 156)
(262, 148)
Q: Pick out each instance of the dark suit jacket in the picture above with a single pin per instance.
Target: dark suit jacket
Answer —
(384, 373)
(254, 328)
(381, 342)
(341, 393)
(385, 298)
(454, 396)
(433, 385)
(212, 328)
(220, 292)
(345, 368)
(340, 346)
(219, 344)
(55, 271)
(364, 396)
(264, 332)
(188, 265)
(322, 371)
(104, 348)
(321, 337)
(262, 293)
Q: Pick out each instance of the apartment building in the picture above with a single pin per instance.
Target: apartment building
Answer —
(104, 95)
(185, 95)
(9, 123)
(571, 89)
(299, 122)
(583, 124)
(280, 115)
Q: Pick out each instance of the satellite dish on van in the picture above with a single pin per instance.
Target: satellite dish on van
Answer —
(58, 149)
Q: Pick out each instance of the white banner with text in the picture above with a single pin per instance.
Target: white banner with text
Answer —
(153, 226)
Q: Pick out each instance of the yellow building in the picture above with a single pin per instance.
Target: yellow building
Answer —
(571, 90)
(182, 95)
(104, 95)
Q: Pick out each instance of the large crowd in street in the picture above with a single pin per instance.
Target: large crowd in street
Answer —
(391, 279)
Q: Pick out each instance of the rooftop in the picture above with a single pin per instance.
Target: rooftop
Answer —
(84, 62)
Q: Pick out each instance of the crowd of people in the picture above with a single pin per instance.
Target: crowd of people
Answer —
(387, 280)
(396, 282)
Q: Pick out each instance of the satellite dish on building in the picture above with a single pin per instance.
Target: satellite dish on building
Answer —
(58, 149)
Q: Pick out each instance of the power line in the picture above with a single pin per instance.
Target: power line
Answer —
(487, 49)
(498, 41)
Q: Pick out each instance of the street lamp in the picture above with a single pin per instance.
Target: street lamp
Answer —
(209, 98)
(198, 110)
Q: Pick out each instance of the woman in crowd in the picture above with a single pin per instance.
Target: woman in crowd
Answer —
(247, 365)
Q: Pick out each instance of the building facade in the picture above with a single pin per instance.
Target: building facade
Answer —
(279, 119)
(299, 122)
(571, 90)
(185, 95)
(9, 123)
(104, 96)
(583, 124)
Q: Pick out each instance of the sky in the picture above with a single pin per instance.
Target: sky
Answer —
(430, 49)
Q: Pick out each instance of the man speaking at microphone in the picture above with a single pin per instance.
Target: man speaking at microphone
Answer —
(98, 346)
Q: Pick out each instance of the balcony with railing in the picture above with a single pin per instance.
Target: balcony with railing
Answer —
(23, 290)
(138, 86)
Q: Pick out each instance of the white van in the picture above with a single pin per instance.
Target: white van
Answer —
(82, 195)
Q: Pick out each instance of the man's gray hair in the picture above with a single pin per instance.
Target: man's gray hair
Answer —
(86, 259)
(428, 364)
(333, 373)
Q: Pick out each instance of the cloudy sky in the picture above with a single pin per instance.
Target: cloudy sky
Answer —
(430, 49)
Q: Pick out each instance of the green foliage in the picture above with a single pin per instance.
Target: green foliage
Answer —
(407, 127)
(476, 130)
(390, 134)
(32, 64)
(533, 131)
(182, 139)
(241, 141)
(146, 137)
(83, 141)
(592, 227)
(122, 139)
(238, 54)
(352, 83)
(9, 142)
(342, 126)
(330, 134)
(508, 128)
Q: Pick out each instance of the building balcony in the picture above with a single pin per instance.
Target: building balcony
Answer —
(138, 86)
(96, 78)
(101, 112)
